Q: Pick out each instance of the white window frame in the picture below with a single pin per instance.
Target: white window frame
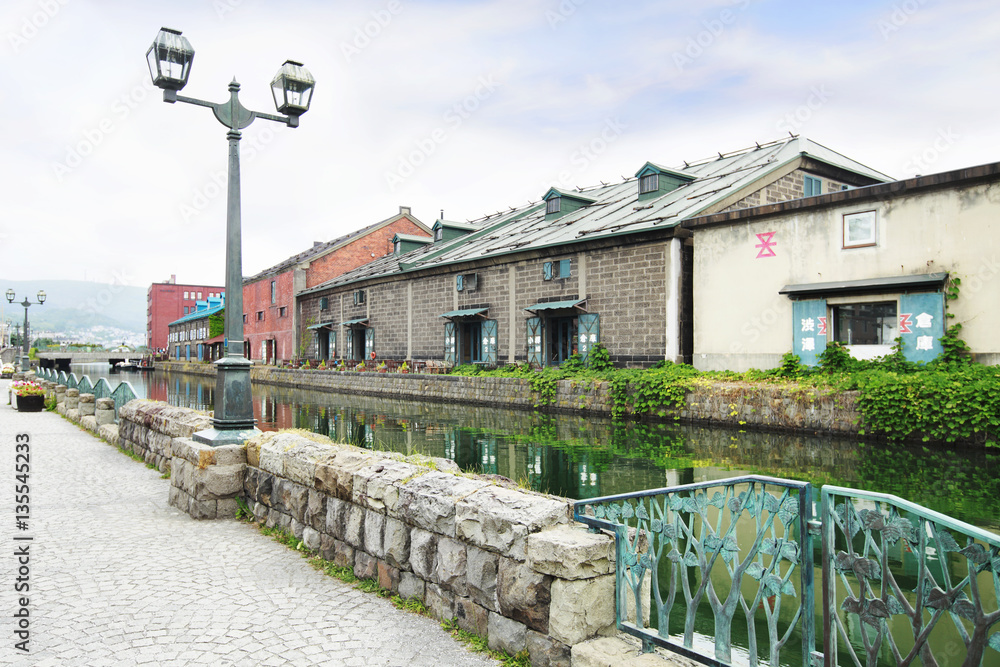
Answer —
(870, 216)
(649, 183)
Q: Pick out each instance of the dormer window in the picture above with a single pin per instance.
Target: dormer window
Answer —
(655, 180)
(398, 248)
(558, 203)
(649, 183)
(439, 233)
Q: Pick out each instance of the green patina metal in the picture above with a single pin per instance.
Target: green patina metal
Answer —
(873, 545)
(102, 389)
(690, 539)
(122, 394)
(891, 572)
(85, 385)
(72, 382)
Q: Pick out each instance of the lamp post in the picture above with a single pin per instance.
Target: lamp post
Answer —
(25, 362)
(169, 60)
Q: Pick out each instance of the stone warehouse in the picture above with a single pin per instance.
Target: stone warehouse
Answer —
(610, 264)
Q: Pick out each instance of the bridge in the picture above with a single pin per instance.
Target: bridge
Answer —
(61, 360)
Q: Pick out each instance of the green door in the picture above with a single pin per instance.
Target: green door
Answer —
(589, 330)
(534, 331)
(489, 332)
(449, 342)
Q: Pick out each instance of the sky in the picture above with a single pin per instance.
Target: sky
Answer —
(469, 107)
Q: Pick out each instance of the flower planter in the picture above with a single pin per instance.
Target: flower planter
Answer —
(33, 403)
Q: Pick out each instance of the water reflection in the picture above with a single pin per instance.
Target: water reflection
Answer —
(581, 457)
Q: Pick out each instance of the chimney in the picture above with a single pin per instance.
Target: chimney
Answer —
(173, 278)
(404, 210)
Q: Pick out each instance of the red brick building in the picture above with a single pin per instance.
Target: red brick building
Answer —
(168, 301)
(271, 328)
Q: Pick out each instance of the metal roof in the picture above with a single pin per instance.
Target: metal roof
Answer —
(920, 282)
(360, 320)
(616, 210)
(197, 315)
(320, 326)
(556, 305)
(468, 312)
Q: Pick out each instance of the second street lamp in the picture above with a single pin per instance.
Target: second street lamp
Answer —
(169, 58)
(25, 340)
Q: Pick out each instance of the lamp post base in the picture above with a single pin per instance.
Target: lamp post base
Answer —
(25, 363)
(214, 437)
(233, 422)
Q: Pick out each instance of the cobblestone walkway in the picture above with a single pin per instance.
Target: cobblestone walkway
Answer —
(120, 578)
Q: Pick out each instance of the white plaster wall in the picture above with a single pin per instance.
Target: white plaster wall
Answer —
(741, 321)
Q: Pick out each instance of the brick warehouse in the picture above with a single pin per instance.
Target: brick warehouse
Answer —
(270, 316)
(609, 264)
(168, 301)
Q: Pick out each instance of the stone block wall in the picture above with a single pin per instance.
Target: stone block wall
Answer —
(507, 564)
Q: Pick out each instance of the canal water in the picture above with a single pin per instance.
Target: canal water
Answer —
(585, 457)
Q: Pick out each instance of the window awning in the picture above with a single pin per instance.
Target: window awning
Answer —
(468, 312)
(363, 321)
(221, 338)
(923, 282)
(320, 326)
(559, 305)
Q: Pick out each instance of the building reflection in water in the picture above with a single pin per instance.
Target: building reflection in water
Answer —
(580, 457)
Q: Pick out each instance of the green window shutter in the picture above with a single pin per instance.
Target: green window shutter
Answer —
(534, 330)
(564, 268)
(589, 329)
(547, 271)
(459, 282)
(449, 342)
(332, 345)
(490, 342)
(369, 342)
(350, 344)
(810, 330)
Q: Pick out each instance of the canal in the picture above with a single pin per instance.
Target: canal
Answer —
(584, 457)
(579, 457)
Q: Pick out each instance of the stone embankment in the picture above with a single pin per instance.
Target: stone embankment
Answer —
(739, 405)
(507, 564)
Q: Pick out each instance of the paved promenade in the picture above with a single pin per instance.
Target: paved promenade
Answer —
(117, 577)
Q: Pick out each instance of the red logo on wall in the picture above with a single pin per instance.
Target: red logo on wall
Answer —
(905, 323)
(766, 244)
(822, 326)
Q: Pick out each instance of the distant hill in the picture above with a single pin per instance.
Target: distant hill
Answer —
(77, 304)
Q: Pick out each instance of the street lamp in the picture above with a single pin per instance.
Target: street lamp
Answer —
(25, 362)
(169, 58)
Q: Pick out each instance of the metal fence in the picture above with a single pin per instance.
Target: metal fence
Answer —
(723, 572)
(121, 394)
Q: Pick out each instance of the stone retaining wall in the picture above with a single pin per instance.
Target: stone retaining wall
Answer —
(509, 565)
(733, 404)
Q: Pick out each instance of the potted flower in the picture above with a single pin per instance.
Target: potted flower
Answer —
(30, 396)
(404, 368)
(6, 371)
(381, 368)
(360, 367)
